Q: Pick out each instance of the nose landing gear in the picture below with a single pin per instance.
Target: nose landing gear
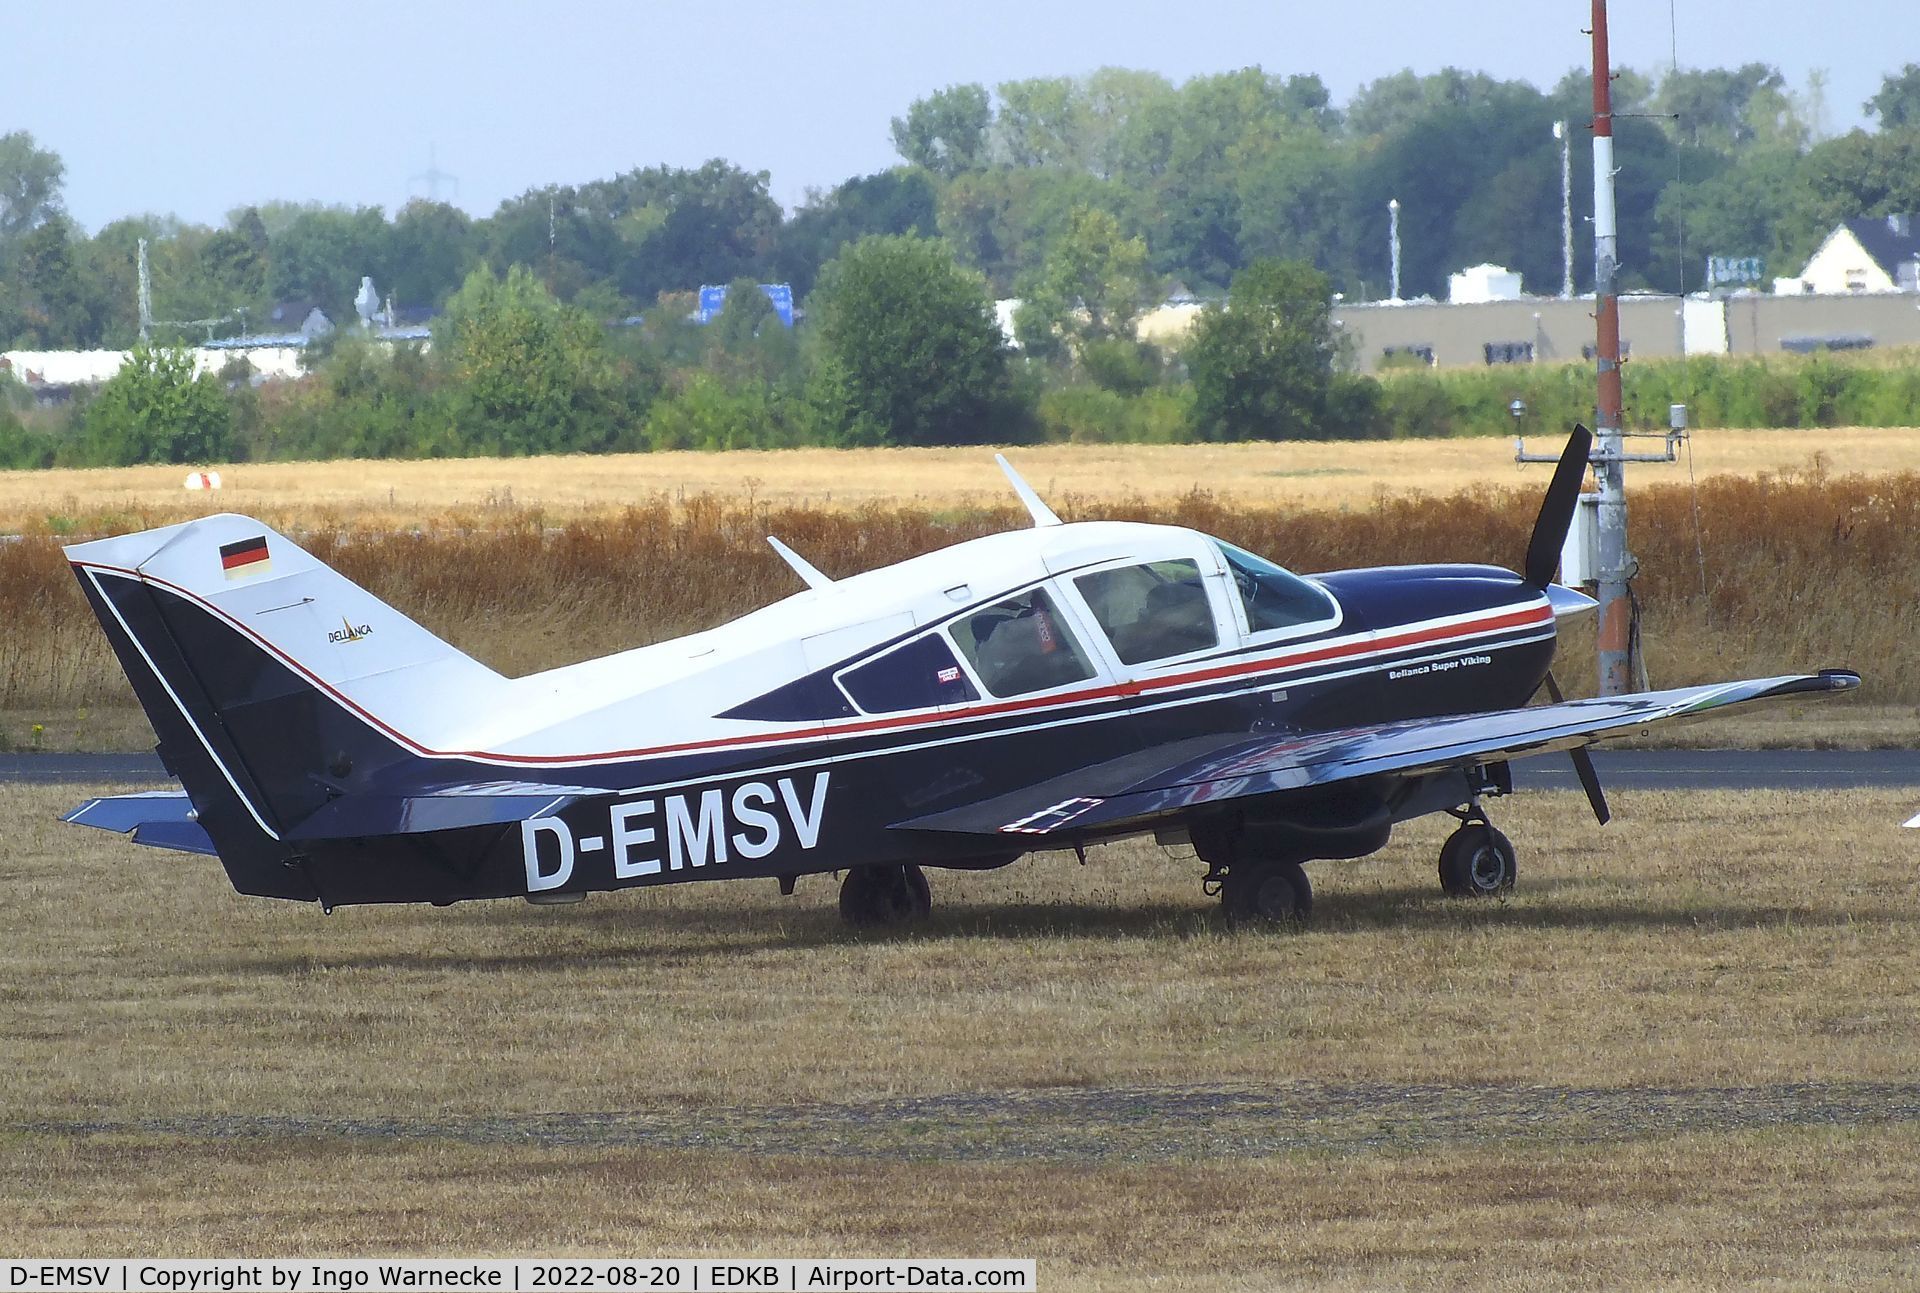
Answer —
(1477, 861)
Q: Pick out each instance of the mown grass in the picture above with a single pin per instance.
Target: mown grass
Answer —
(1702, 940)
(1811, 1209)
(1710, 938)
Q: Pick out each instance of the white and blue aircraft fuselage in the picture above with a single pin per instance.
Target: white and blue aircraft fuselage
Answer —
(1040, 689)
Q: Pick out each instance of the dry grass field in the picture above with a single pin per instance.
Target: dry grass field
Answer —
(1683, 1055)
(471, 491)
(1745, 576)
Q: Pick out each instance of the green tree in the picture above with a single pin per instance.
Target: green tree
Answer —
(911, 350)
(1572, 94)
(1042, 122)
(1729, 109)
(1123, 112)
(156, 410)
(1898, 103)
(900, 201)
(30, 178)
(44, 302)
(1741, 211)
(1391, 103)
(1289, 196)
(432, 250)
(747, 343)
(1856, 174)
(1262, 363)
(235, 266)
(659, 229)
(1090, 289)
(323, 253)
(531, 375)
(946, 132)
(1001, 220)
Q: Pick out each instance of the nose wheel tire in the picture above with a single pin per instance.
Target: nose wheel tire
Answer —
(1269, 893)
(1477, 861)
(877, 897)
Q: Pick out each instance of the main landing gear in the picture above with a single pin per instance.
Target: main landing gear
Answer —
(1477, 861)
(874, 897)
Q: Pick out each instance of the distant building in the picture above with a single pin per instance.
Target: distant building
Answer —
(302, 319)
(1864, 254)
(1168, 323)
(1479, 284)
(713, 299)
(1547, 330)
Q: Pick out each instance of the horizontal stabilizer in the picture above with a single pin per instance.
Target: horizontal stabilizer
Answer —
(490, 803)
(162, 819)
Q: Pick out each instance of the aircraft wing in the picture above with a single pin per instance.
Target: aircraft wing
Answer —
(1137, 789)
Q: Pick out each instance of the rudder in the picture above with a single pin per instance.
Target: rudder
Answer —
(274, 683)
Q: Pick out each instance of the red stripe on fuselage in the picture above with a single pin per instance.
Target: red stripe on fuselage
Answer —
(1492, 623)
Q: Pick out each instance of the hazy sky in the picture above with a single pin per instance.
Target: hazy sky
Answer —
(197, 109)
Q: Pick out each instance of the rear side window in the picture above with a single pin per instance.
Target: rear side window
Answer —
(919, 675)
(1153, 611)
(1022, 645)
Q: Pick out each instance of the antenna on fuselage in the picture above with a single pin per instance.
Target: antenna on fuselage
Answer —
(1041, 513)
(801, 566)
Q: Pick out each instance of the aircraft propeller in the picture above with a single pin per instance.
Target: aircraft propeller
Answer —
(1583, 764)
(1556, 510)
(1543, 558)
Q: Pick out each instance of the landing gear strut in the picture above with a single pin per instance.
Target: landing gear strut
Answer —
(1266, 893)
(1477, 861)
(873, 897)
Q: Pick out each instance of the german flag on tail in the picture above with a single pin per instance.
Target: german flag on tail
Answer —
(247, 557)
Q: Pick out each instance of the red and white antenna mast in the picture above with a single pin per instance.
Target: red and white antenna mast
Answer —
(1616, 612)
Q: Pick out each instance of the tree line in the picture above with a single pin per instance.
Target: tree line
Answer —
(1205, 177)
(565, 313)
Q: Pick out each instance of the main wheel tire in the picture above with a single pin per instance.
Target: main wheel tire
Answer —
(874, 897)
(1477, 861)
(1270, 893)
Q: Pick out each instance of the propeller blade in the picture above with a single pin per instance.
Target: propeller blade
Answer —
(1556, 510)
(1590, 782)
(1583, 764)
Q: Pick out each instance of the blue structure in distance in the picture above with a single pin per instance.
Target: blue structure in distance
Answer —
(713, 299)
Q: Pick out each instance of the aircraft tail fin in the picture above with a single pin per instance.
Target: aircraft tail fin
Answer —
(275, 684)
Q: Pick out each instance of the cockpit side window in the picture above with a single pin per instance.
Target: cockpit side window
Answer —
(1152, 611)
(1022, 645)
(922, 674)
(1274, 598)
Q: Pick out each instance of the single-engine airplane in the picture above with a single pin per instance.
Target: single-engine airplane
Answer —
(1045, 688)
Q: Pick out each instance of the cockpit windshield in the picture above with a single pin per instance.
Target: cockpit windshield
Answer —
(1274, 598)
